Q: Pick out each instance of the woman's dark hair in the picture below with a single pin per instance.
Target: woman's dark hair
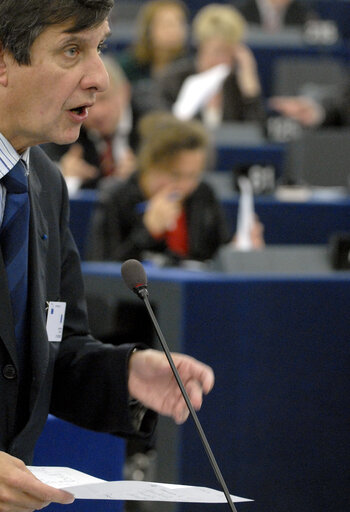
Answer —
(21, 22)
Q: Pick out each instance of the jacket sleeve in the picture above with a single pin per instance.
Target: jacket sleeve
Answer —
(90, 378)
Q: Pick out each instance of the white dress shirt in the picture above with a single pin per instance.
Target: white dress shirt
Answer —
(8, 159)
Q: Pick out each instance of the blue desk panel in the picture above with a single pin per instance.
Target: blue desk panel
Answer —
(310, 222)
(278, 417)
(99, 455)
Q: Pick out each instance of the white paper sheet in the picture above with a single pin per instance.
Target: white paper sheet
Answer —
(197, 90)
(60, 478)
(86, 487)
(245, 217)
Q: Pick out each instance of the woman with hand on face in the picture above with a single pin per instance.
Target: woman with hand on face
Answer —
(164, 208)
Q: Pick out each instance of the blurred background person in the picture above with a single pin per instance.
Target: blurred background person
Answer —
(164, 208)
(331, 110)
(218, 31)
(275, 15)
(161, 37)
(103, 147)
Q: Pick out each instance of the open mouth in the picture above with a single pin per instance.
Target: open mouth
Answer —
(79, 110)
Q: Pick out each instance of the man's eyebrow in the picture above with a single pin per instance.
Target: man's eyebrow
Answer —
(75, 38)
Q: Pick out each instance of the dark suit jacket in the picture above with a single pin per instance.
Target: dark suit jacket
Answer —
(80, 379)
(296, 13)
(337, 108)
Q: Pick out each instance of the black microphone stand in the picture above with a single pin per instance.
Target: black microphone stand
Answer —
(142, 292)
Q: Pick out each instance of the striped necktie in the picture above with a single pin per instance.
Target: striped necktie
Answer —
(14, 235)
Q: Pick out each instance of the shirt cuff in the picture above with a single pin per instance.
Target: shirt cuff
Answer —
(137, 410)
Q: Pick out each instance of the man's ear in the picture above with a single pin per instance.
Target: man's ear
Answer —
(3, 67)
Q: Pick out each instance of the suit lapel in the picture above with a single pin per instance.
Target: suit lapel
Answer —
(37, 280)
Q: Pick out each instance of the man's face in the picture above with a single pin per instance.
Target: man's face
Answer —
(48, 100)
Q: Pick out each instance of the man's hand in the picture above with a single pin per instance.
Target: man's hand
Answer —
(151, 381)
(21, 491)
(305, 110)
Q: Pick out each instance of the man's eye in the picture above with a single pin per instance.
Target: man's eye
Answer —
(72, 52)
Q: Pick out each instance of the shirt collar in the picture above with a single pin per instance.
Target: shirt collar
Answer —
(9, 156)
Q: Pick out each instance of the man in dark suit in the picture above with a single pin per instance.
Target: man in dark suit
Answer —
(274, 15)
(50, 72)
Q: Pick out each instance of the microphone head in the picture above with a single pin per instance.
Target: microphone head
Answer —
(134, 276)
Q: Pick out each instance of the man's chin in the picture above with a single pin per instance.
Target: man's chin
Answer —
(67, 138)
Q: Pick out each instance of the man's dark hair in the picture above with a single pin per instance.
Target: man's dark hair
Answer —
(21, 22)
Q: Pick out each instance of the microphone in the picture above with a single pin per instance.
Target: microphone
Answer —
(135, 278)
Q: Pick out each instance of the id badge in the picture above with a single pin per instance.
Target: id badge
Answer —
(55, 320)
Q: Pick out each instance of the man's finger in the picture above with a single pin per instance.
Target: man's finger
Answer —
(200, 371)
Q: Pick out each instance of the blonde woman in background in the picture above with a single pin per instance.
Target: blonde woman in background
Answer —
(218, 31)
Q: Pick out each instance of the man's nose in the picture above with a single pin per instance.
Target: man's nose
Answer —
(96, 76)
